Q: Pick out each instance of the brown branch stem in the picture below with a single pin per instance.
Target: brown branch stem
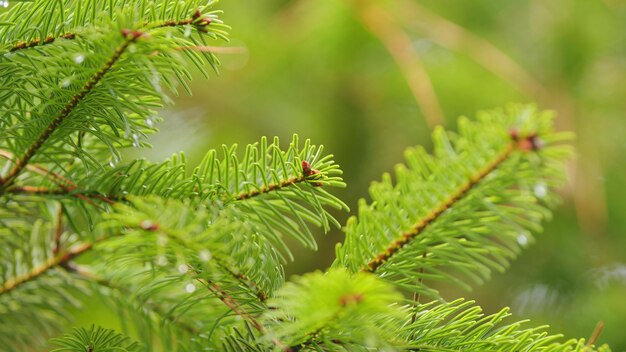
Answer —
(231, 303)
(271, 187)
(596, 333)
(65, 112)
(244, 280)
(41, 269)
(37, 41)
(406, 237)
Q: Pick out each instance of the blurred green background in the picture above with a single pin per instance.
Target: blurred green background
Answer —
(368, 79)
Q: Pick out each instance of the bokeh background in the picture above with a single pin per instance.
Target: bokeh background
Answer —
(368, 79)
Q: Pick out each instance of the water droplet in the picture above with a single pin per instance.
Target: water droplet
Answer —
(155, 80)
(135, 140)
(66, 82)
(522, 239)
(187, 31)
(162, 240)
(190, 287)
(5, 4)
(161, 260)
(541, 190)
(111, 163)
(205, 255)
(79, 58)
(149, 122)
(182, 268)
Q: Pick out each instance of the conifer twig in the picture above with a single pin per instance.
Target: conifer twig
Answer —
(525, 143)
(201, 22)
(244, 280)
(232, 304)
(270, 188)
(41, 269)
(596, 333)
(67, 110)
(58, 231)
(37, 41)
(73, 191)
(41, 170)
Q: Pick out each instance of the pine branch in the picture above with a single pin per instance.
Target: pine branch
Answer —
(96, 339)
(461, 326)
(229, 301)
(196, 20)
(41, 269)
(473, 180)
(466, 210)
(38, 42)
(21, 162)
(337, 310)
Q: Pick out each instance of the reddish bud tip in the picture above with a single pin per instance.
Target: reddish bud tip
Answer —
(205, 21)
(530, 143)
(350, 299)
(306, 168)
(125, 32)
(514, 133)
(136, 34)
(149, 225)
(197, 14)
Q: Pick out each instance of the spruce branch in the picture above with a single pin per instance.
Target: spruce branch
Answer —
(197, 20)
(232, 304)
(38, 42)
(464, 211)
(407, 236)
(41, 269)
(21, 162)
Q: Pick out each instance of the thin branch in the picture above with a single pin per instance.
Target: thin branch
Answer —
(201, 23)
(455, 37)
(525, 144)
(232, 304)
(41, 269)
(214, 49)
(381, 24)
(596, 333)
(244, 280)
(416, 294)
(229, 301)
(41, 170)
(58, 232)
(37, 41)
(270, 188)
(87, 196)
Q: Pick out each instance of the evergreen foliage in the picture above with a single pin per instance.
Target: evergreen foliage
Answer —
(192, 258)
